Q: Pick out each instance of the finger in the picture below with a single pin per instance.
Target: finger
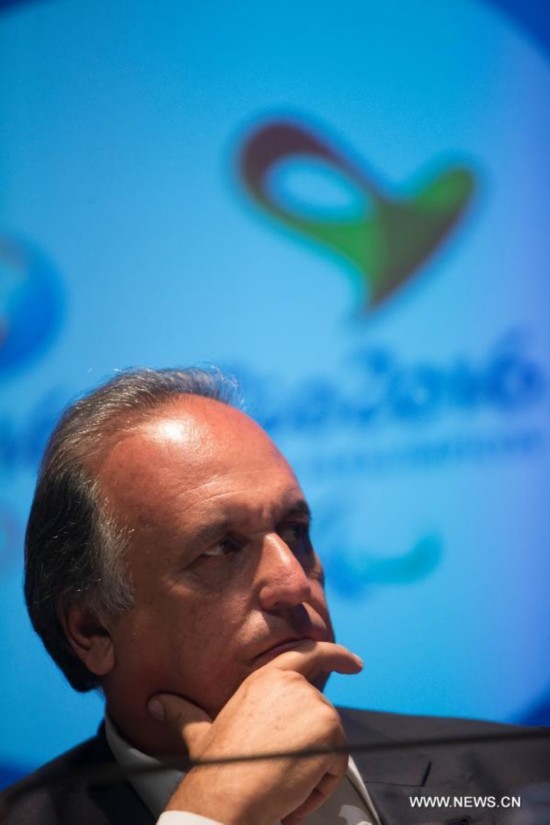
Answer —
(317, 797)
(184, 717)
(313, 658)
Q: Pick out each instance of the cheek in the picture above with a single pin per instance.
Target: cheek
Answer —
(175, 640)
(202, 663)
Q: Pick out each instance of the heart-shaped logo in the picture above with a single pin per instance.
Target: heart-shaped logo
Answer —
(385, 239)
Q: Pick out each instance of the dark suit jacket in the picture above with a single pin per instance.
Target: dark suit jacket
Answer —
(65, 795)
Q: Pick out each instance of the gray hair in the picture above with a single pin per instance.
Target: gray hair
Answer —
(74, 550)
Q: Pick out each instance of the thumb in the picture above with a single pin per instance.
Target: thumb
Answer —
(188, 720)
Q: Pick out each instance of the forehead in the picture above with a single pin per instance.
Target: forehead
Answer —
(194, 459)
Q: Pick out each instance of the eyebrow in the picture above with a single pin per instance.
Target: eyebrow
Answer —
(210, 531)
(298, 508)
(213, 529)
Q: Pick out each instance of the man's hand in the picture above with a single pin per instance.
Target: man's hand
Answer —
(276, 709)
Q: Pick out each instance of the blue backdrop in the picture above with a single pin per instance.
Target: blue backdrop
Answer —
(346, 205)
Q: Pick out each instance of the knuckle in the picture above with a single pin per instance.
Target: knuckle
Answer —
(330, 714)
(293, 677)
(334, 726)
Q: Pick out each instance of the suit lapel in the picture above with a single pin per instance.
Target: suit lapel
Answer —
(394, 767)
(393, 777)
(112, 802)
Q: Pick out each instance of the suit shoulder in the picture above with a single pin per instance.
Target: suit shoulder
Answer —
(475, 745)
(92, 751)
(43, 796)
(403, 725)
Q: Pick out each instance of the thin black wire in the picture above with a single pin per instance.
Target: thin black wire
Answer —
(109, 773)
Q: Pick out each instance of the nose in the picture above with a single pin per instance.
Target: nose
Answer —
(282, 581)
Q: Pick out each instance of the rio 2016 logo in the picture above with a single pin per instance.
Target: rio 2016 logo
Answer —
(31, 309)
(384, 240)
(31, 304)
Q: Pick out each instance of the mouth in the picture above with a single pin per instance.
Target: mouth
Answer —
(282, 647)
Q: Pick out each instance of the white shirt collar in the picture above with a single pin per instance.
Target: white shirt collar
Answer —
(154, 788)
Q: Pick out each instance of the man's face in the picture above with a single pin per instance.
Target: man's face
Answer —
(224, 574)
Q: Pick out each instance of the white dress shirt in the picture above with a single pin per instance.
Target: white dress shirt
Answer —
(350, 803)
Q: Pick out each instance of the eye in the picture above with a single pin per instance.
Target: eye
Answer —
(296, 535)
(221, 549)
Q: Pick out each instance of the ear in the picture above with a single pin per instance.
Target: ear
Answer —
(88, 637)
